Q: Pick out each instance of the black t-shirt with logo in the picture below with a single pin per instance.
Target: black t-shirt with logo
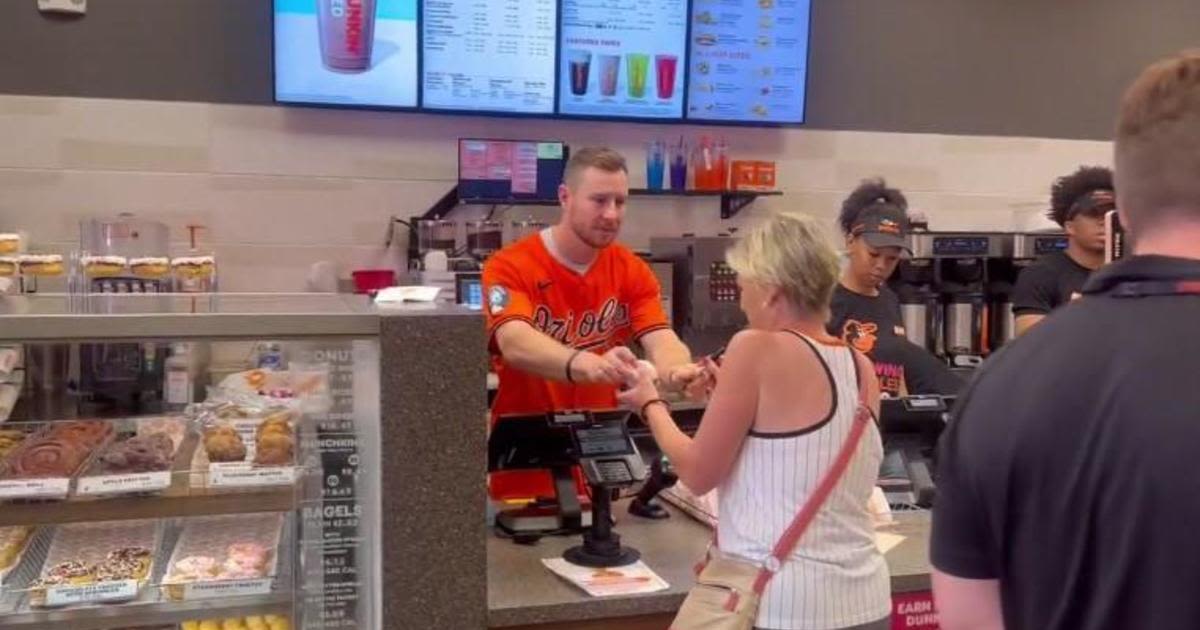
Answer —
(1069, 469)
(1047, 284)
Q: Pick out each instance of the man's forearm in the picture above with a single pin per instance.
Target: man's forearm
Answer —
(529, 350)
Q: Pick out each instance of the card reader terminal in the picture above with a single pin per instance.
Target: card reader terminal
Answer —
(607, 454)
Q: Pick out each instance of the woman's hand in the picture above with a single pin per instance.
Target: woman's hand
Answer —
(640, 390)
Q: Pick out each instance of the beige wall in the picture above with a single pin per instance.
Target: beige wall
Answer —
(279, 188)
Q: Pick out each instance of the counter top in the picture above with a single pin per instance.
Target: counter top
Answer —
(112, 316)
(522, 591)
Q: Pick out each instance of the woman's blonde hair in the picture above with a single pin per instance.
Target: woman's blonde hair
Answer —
(790, 251)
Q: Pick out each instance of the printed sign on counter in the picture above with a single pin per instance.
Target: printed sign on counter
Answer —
(34, 488)
(92, 593)
(914, 611)
(232, 588)
(120, 484)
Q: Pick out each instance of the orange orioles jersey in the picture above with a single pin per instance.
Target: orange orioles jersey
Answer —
(614, 302)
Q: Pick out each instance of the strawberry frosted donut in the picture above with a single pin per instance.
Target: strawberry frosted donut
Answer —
(234, 571)
(195, 568)
(249, 555)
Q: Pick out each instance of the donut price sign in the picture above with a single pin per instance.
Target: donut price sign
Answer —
(34, 488)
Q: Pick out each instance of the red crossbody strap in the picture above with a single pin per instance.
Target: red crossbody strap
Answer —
(791, 536)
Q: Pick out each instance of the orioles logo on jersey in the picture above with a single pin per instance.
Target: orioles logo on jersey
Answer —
(861, 335)
(593, 328)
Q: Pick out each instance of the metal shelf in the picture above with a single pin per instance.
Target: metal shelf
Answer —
(163, 506)
(732, 201)
(150, 614)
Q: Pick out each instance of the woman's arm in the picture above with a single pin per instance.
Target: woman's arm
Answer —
(703, 462)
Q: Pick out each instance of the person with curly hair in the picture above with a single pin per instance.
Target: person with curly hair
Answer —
(1078, 202)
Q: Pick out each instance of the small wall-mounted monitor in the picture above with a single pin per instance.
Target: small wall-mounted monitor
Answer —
(510, 171)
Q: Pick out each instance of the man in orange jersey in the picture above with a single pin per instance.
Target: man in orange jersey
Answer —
(563, 304)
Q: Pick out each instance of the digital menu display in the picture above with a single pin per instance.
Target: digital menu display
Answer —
(749, 60)
(493, 55)
(346, 52)
(622, 58)
(504, 171)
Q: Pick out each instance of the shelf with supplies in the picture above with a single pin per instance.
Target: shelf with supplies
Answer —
(732, 201)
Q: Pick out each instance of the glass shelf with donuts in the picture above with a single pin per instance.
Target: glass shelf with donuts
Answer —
(210, 503)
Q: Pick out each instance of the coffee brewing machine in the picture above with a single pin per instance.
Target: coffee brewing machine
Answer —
(956, 293)
(705, 311)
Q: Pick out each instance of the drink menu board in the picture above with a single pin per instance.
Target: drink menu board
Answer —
(493, 55)
(749, 60)
(622, 58)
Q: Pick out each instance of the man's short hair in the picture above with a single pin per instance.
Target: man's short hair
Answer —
(601, 158)
(1157, 148)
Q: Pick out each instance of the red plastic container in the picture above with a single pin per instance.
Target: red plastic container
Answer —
(372, 280)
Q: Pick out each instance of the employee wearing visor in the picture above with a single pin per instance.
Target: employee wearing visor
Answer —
(562, 305)
(865, 312)
(1078, 203)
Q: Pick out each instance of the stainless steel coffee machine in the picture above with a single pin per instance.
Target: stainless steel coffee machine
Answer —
(705, 292)
(952, 290)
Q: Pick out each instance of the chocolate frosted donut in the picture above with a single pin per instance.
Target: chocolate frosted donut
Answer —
(48, 458)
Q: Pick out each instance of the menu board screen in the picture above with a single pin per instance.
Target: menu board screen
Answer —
(749, 60)
(622, 58)
(494, 55)
(346, 52)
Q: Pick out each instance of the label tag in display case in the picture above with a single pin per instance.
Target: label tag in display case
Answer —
(115, 484)
(91, 593)
(233, 588)
(243, 476)
(34, 488)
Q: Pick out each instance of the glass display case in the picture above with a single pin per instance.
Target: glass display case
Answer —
(189, 461)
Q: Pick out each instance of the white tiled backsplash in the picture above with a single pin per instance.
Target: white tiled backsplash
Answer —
(280, 188)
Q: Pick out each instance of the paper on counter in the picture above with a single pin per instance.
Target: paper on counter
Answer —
(633, 579)
(396, 295)
(885, 542)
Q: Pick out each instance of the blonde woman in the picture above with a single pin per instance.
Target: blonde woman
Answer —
(782, 407)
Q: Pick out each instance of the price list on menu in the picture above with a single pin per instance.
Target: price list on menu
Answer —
(489, 55)
(623, 58)
(336, 568)
(749, 60)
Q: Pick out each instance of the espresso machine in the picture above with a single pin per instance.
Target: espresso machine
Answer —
(952, 292)
(705, 311)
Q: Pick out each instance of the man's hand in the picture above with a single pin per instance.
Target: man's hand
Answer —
(615, 367)
(641, 388)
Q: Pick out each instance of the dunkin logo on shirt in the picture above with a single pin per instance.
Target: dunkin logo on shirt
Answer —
(592, 329)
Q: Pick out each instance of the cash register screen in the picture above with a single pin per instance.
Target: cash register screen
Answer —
(603, 440)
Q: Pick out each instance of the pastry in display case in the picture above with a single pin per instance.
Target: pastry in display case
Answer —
(9, 266)
(220, 555)
(96, 562)
(10, 242)
(153, 267)
(103, 266)
(211, 514)
(41, 264)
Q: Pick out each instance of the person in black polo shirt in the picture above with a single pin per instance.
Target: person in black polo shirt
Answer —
(1067, 483)
(1078, 203)
(865, 312)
